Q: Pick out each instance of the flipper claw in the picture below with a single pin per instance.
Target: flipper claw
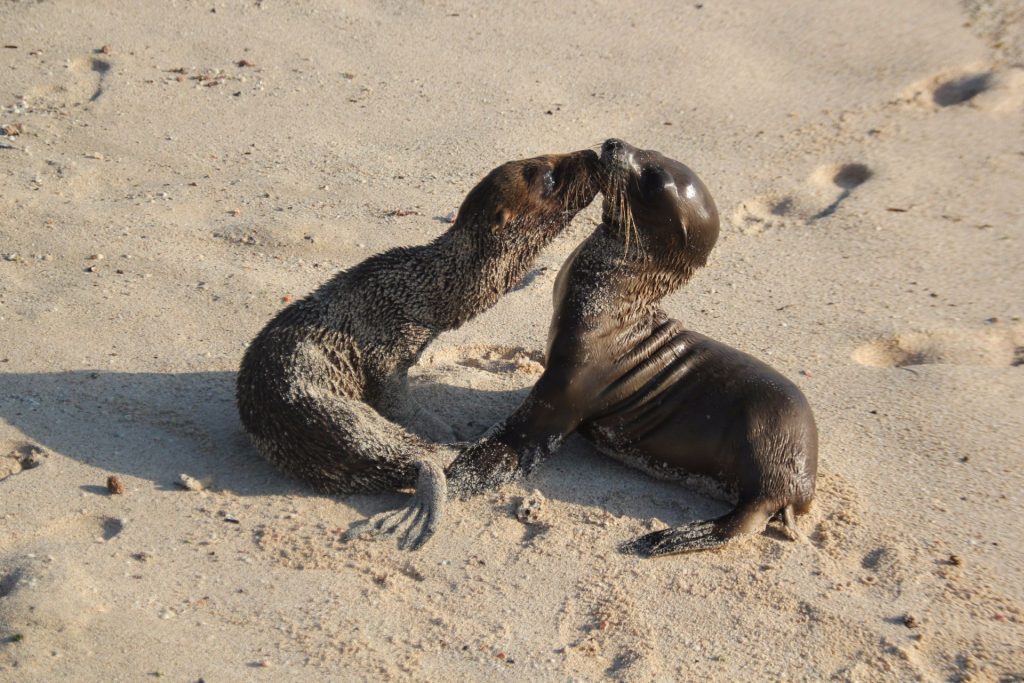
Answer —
(413, 524)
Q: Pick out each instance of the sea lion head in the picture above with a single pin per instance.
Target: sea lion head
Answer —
(530, 200)
(659, 203)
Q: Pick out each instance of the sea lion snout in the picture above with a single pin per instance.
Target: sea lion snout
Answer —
(580, 168)
(617, 158)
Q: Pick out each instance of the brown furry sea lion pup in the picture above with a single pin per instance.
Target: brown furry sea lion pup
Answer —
(317, 385)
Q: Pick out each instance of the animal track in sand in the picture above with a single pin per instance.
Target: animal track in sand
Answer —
(980, 86)
(996, 346)
(51, 599)
(836, 516)
(82, 82)
(805, 204)
(607, 635)
(762, 213)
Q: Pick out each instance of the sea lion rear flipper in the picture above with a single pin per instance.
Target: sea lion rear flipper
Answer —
(414, 523)
(704, 535)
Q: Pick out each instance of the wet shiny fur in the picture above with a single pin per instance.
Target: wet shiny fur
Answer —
(640, 385)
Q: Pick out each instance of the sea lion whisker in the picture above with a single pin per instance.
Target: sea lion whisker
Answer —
(623, 220)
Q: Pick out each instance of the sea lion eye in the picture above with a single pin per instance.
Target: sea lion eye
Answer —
(549, 182)
(651, 180)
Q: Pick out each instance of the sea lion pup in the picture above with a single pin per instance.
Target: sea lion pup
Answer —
(318, 383)
(640, 386)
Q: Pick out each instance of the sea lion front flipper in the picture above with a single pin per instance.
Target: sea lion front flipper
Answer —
(516, 446)
(414, 523)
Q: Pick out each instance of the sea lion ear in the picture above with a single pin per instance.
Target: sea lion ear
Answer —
(501, 218)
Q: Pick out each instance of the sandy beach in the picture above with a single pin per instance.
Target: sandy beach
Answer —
(174, 173)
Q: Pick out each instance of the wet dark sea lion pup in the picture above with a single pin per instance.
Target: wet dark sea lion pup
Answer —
(642, 387)
(317, 385)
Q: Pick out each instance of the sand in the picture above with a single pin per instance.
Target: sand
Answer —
(184, 168)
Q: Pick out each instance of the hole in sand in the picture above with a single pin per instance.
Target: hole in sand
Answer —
(962, 89)
(111, 527)
(782, 207)
(849, 176)
(9, 582)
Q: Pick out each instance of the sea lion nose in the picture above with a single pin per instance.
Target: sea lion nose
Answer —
(611, 145)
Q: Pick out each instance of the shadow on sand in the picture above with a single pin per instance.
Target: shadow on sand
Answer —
(156, 426)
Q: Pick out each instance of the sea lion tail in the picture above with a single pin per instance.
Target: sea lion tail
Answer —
(745, 520)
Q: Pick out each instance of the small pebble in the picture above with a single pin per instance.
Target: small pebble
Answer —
(531, 508)
(910, 621)
(191, 483)
(114, 485)
(34, 457)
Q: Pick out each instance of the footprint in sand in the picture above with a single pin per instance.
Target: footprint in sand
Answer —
(818, 197)
(979, 86)
(47, 602)
(606, 635)
(836, 516)
(996, 346)
(82, 82)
